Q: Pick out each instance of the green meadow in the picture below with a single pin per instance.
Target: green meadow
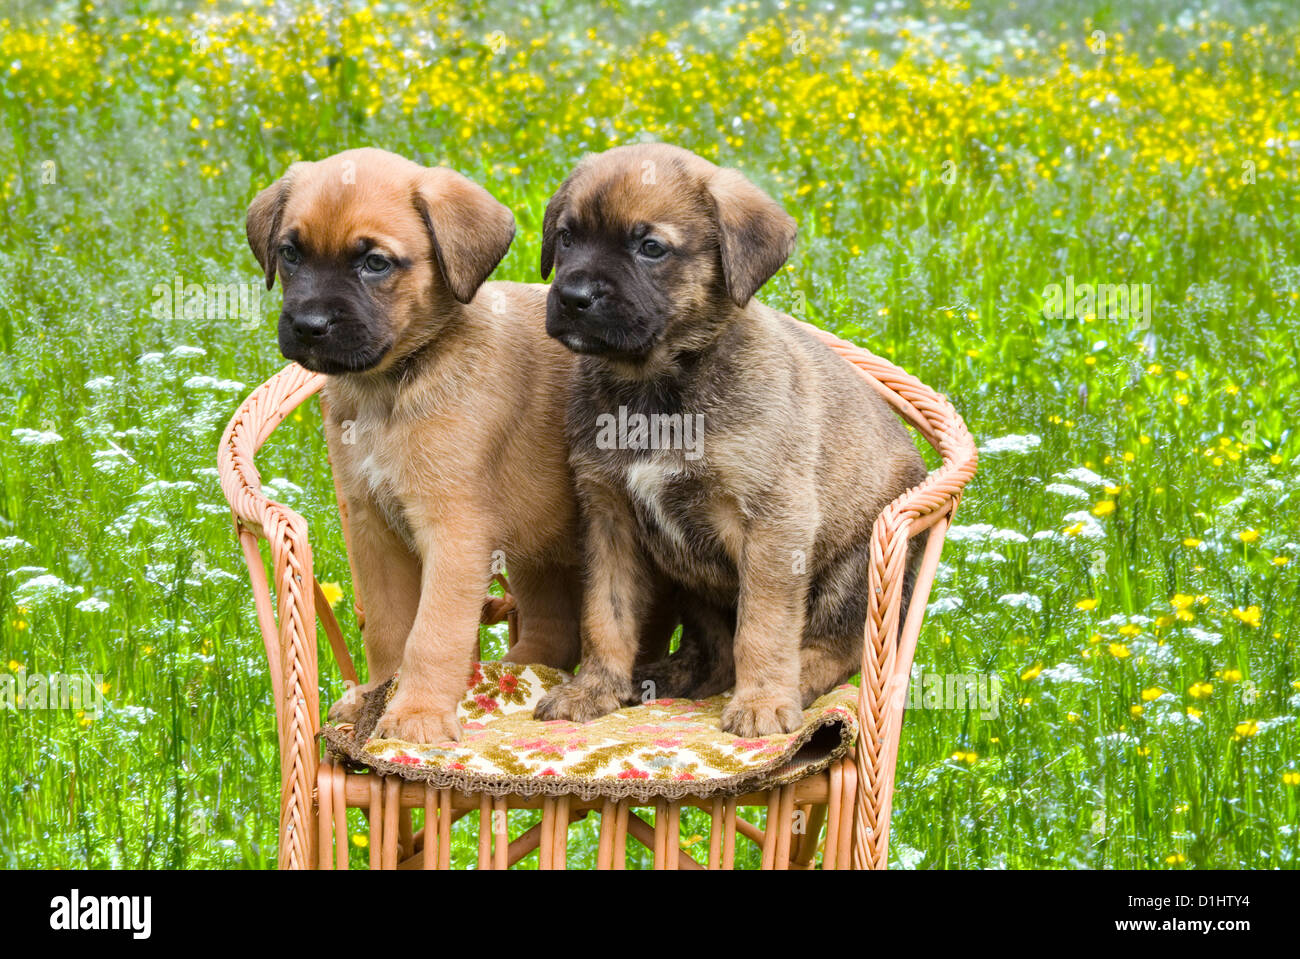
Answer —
(1122, 579)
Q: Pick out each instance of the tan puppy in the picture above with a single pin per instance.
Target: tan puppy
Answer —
(445, 412)
(765, 460)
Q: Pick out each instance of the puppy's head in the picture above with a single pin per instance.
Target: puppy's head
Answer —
(650, 243)
(374, 251)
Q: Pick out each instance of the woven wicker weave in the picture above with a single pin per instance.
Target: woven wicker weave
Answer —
(853, 798)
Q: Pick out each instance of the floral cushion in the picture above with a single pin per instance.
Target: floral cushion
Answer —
(666, 748)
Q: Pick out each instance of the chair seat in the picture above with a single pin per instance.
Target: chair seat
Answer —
(663, 749)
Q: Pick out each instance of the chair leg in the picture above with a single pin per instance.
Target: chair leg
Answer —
(608, 824)
(729, 833)
(652, 836)
(431, 836)
(771, 829)
(806, 854)
(785, 822)
(560, 843)
(846, 823)
(831, 854)
(620, 834)
(405, 834)
(444, 829)
(338, 786)
(547, 839)
(389, 826)
(673, 837)
(393, 845)
(376, 821)
(501, 834)
(716, 831)
(325, 814)
(660, 834)
(485, 832)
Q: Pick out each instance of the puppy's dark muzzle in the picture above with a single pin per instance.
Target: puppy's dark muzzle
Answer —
(584, 319)
(326, 342)
(578, 298)
(309, 327)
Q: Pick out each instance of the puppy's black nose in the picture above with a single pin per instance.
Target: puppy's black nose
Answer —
(310, 325)
(578, 296)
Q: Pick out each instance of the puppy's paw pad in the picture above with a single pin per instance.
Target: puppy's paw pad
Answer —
(416, 725)
(576, 703)
(756, 716)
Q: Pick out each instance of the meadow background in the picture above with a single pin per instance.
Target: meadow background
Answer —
(1124, 562)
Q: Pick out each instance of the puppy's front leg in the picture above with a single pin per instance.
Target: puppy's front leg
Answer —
(388, 584)
(435, 664)
(615, 602)
(769, 626)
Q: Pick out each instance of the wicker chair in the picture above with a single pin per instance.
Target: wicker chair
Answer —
(852, 798)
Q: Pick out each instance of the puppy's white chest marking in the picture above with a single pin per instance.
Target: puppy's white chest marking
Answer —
(380, 474)
(379, 464)
(646, 480)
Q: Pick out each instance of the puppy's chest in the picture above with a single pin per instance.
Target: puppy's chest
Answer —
(685, 521)
(379, 467)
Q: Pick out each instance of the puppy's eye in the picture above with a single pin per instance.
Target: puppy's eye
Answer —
(377, 263)
(289, 255)
(566, 239)
(653, 249)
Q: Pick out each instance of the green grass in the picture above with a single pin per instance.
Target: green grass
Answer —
(1127, 167)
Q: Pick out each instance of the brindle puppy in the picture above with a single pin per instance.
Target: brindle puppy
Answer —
(657, 255)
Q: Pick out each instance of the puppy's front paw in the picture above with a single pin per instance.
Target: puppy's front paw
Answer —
(752, 715)
(577, 702)
(417, 723)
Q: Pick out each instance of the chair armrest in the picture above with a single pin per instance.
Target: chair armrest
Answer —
(890, 644)
(289, 636)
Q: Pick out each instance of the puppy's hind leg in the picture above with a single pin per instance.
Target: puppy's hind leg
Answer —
(830, 651)
(703, 664)
(824, 663)
(661, 621)
(832, 647)
(549, 598)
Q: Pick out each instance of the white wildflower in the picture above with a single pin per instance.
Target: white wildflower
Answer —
(1022, 600)
(1012, 443)
(1072, 492)
(26, 437)
(214, 384)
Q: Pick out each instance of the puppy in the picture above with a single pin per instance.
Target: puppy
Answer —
(765, 527)
(445, 403)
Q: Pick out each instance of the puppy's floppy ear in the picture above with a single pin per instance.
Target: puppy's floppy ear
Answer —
(263, 222)
(755, 234)
(469, 230)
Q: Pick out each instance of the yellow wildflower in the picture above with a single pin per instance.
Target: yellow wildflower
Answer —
(332, 592)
